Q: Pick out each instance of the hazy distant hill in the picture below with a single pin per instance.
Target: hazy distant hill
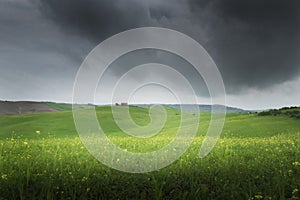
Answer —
(202, 108)
(24, 107)
(28, 107)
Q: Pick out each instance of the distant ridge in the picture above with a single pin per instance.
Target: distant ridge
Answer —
(29, 107)
(24, 107)
(202, 107)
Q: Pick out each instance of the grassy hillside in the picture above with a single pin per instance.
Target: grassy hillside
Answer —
(258, 157)
(61, 124)
(58, 124)
(60, 106)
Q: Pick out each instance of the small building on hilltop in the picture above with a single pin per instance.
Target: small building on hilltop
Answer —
(121, 104)
(124, 104)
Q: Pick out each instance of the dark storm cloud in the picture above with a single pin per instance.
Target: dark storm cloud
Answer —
(32, 61)
(255, 43)
(93, 18)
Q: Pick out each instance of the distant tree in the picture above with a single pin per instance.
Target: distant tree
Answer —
(264, 113)
(284, 108)
(287, 111)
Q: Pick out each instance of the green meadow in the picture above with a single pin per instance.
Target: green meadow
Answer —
(42, 157)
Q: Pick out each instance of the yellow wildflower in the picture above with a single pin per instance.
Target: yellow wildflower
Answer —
(258, 196)
(296, 163)
(4, 176)
(84, 179)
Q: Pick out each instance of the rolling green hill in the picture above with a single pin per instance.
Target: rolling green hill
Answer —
(61, 168)
(61, 124)
(60, 106)
(42, 157)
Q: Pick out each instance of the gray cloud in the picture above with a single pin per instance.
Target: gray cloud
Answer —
(130, 60)
(254, 43)
(95, 19)
(33, 64)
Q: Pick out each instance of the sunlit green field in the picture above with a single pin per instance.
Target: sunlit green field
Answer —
(257, 157)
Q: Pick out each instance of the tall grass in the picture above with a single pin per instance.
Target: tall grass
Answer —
(257, 168)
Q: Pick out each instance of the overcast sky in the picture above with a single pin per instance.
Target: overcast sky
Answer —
(254, 43)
